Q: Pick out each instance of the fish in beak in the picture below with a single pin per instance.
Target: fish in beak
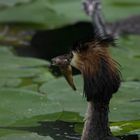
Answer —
(63, 62)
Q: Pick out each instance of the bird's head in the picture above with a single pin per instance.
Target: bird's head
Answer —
(92, 59)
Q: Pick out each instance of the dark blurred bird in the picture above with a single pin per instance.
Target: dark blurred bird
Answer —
(101, 79)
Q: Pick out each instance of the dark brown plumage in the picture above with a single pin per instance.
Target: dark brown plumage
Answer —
(101, 79)
(100, 71)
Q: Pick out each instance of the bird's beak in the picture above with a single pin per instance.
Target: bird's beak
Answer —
(63, 62)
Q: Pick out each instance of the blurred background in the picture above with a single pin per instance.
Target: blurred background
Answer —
(35, 100)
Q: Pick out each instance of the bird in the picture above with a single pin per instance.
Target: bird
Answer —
(102, 78)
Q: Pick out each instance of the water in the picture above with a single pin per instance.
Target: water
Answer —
(60, 130)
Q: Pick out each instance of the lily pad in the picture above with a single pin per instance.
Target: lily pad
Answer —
(124, 105)
(70, 100)
(5, 51)
(33, 87)
(43, 77)
(50, 14)
(18, 104)
(14, 68)
(53, 14)
(8, 82)
(30, 136)
(121, 9)
(126, 127)
(127, 55)
(117, 128)
(13, 2)
(21, 62)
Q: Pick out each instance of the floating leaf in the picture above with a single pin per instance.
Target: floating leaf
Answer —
(118, 128)
(124, 105)
(13, 2)
(54, 14)
(126, 54)
(44, 77)
(5, 51)
(33, 87)
(21, 62)
(30, 136)
(50, 14)
(70, 100)
(125, 127)
(18, 104)
(120, 9)
(8, 82)
(20, 67)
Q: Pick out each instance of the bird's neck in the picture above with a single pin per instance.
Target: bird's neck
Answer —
(96, 125)
(99, 87)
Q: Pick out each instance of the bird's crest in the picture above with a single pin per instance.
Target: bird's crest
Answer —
(100, 72)
(95, 40)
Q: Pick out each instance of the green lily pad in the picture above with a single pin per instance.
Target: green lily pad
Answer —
(8, 82)
(21, 67)
(120, 9)
(13, 68)
(5, 51)
(44, 77)
(50, 14)
(18, 104)
(59, 90)
(13, 2)
(127, 55)
(16, 73)
(21, 62)
(126, 127)
(8, 60)
(30, 136)
(54, 14)
(20, 80)
(118, 128)
(33, 87)
(124, 105)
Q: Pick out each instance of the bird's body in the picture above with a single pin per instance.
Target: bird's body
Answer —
(100, 73)
(101, 79)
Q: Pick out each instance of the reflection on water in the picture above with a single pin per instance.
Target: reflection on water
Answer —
(57, 130)
(60, 131)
